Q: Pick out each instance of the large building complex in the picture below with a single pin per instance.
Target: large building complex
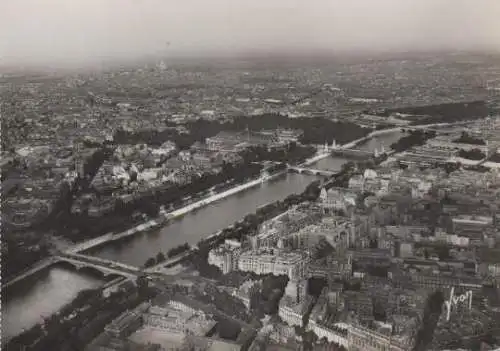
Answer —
(226, 256)
(274, 261)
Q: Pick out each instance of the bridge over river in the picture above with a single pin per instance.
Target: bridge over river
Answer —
(311, 171)
(106, 267)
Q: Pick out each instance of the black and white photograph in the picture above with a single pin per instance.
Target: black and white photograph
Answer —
(266, 175)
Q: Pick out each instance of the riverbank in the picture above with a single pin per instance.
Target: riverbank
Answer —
(166, 217)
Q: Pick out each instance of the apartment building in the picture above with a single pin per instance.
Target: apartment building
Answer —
(177, 317)
(225, 257)
(364, 339)
(277, 262)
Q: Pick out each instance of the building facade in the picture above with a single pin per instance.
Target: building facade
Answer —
(292, 264)
(225, 257)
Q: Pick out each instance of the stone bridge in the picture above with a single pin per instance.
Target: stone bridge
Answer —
(91, 243)
(106, 267)
(311, 171)
(36, 268)
(80, 262)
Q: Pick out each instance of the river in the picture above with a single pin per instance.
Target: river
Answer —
(203, 222)
(383, 140)
(41, 296)
(58, 287)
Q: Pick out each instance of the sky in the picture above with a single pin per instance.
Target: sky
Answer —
(83, 31)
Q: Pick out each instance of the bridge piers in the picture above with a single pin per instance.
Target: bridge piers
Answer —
(105, 267)
(81, 262)
(312, 171)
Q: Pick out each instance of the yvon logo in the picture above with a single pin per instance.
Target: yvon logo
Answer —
(453, 301)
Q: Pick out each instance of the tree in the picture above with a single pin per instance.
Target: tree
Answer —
(178, 250)
(415, 138)
(430, 319)
(443, 252)
(160, 257)
(228, 330)
(310, 338)
(467, 139)
(150, 262)
(251, 220)
(474, 154)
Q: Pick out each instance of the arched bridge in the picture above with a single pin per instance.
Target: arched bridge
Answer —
(311, 171)
(104, 266)
(91, 243)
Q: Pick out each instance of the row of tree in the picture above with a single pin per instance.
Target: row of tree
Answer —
(160, 257)
(247, 227)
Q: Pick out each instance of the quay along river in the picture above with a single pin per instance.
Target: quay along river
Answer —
(44, 294)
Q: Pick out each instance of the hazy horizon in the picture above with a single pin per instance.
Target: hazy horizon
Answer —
(83, 32)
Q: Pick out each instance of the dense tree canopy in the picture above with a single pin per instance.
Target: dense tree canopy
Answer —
(465, 138)
(474, 154)
(415, 138)
(444, 113)
(315, 130)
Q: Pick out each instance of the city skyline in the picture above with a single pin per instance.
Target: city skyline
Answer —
(77, 33)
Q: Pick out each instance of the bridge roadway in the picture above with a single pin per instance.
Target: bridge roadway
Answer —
(79, 261)
(312, 171)
(104, 266)
(99, 261)
(36, 268)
